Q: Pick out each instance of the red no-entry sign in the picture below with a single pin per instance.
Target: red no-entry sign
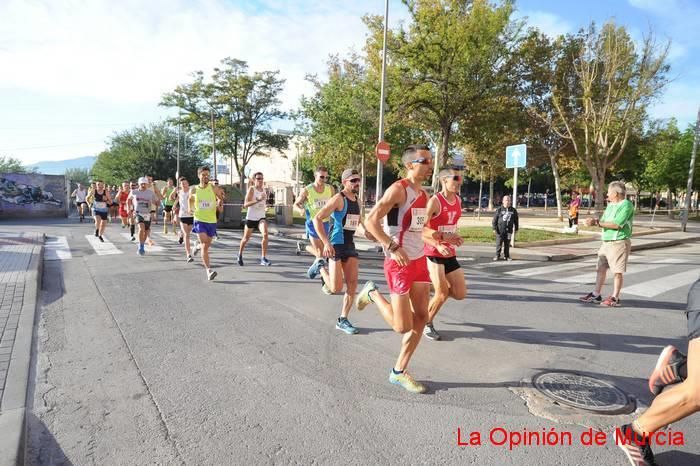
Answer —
(383, 151)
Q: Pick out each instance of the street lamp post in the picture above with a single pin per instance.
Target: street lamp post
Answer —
(481, 186)
(380, 167)
(691, 172)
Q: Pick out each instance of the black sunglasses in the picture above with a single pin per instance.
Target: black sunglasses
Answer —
(259, 179)
(323, 177)
(454, 177)
(354, 180)
(422, 161)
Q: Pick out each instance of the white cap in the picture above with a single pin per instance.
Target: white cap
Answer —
(143, 180)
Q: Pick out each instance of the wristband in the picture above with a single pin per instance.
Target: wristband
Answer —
(393, 246)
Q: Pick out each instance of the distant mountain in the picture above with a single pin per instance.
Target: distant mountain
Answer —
(58, 167)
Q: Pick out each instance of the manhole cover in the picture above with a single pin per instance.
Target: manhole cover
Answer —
(583, 392)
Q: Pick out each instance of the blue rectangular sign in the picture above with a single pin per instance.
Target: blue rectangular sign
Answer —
(516, 156)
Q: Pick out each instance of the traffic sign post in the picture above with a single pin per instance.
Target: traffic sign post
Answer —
(383, 151)
(516, 157)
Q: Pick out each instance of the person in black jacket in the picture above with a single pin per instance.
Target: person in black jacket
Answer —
(504, 222)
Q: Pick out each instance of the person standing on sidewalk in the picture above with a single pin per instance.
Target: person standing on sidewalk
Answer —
(574, 207)
(676, 381)
(255, 218)
(504, 223)
(444, 211)
(613, 254)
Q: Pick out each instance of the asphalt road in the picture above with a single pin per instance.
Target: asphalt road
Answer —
(140, 360)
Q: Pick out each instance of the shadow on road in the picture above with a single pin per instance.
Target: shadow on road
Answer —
(42, 446)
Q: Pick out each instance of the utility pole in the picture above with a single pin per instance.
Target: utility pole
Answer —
(213, 140)
(177, 169)
(691, 172)
(380, 166)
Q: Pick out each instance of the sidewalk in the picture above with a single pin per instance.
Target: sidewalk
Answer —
(20, 277)
(550, 252)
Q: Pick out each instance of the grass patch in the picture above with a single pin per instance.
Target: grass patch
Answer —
(486, 235)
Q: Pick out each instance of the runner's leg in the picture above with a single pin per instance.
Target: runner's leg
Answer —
(262, 227)
(350, 270)
(333, 277)
(441, 287)
(418, 300)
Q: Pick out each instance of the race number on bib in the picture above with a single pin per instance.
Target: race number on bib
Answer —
(351, 222)
(205, 205)
(418, 217)
(447, 228)
(146, 217)
(320, 203)
(100, 205)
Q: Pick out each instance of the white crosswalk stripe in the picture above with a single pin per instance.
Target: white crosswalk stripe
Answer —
(588, 278)
(102, 249)
(148, 248)
(559, 267)
(661, 285)
(56, 249)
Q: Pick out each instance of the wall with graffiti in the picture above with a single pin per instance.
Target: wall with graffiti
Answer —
(32, 195)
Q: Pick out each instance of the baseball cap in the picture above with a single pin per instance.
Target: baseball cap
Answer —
(143, 180)
(348, 174)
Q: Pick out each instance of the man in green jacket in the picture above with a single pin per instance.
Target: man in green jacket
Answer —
(616, 223)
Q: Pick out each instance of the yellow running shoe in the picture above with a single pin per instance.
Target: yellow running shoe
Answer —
(406, 381)
(363, 298)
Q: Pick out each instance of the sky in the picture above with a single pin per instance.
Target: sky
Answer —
(74, 72)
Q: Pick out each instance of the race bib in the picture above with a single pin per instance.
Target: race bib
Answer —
(447, 228)
(146, 217)
(320, 203)
(100, 205)
(418, 217)
(351, 222)
(204, 205)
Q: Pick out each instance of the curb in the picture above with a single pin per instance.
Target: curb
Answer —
(14, 400)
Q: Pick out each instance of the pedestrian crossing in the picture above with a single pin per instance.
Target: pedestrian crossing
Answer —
(56, 249)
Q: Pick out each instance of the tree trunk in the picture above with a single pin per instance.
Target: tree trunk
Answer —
(557, 182)
(490, 207)
(441, 156)
(600, 192)
(669, 205)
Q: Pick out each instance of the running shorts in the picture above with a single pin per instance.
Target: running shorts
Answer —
(203, 227)
(311, 231)
(343, 252)
(146, 223)
(451, 263)
(400, 279)
(168, 208)
(254, 224)
(187, 220)
(102, 215)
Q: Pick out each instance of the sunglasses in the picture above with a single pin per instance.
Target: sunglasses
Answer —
(322, 177)
(259, 179)
(454, 177)
(422, 161)
(354, 180)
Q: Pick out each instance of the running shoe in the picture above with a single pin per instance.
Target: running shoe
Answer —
(133, 238)
(638, 451)
(181, 239)
(496, 258)
(509, 258)
(315, 269)
(196, 249)
(239, 260)
(96, 234)
(407, 382)
(430, 332)
(667, 370)
(212, 275)
(325, 288)
(299, 249)
(345, 325)
(101, 238)
(190, 259)
(363, 298)
(591, 298)
(265, 261)
(141, 251)
(610, 301)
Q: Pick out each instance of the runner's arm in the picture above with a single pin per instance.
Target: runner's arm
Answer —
(301, 199)
(250, 198)
(332, 205)
(430, 236)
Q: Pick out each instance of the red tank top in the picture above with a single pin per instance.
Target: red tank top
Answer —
(123, 196)
(446, 222)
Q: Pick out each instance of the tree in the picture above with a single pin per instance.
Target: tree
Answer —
(242, 104)
(12, 165)
(78, 175)
(147, 150)
(603, 99)
(449, 65)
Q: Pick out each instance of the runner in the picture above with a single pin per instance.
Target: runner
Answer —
(154, 208)
(255, 218)
(403, 207)
(140, 201)
(122, 196)
(340, 246)
(444, 210)
(676, 380)
(100, 200)
(181, 197)
(168, 205)
(114, 205)
(203, 201)
(132, 217)
(80, 195)
(312, 199)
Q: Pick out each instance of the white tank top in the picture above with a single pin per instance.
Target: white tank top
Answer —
(257, 210)
(80, 196)
(404, 223)
(183, 198)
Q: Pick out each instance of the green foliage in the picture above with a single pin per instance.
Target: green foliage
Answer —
(667, 155)
(12, 165)
(147, 150)
(77, 175)
(243, 105)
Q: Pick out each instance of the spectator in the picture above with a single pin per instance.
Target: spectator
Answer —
(574, 207)
(504, 222)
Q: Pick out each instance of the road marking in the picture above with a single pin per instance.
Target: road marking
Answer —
(102, 249)
(56, 249)
(588, 278)
(652, 288)
(529, 272)
(168, 237)
(148, 248)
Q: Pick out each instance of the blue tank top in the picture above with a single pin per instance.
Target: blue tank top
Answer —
(345, 222)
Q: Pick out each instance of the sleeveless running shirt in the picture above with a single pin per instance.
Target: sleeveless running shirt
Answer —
(167, 200)
(205, 204)
(345, 221)
(446, 222)
(257, 210)
(100, 202)
(315, 201)
(183, 199)
(404, 223)
(80, 196)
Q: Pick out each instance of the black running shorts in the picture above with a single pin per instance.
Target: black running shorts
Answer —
(693, 311)
(451, 264)
(343, 252)
(168, 208)
(187, 220)
(254, 224)
(146, 223)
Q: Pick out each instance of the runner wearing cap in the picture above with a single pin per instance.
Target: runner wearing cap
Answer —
(255, 202)
(203, 201)
(140, 201)
(312, 199)
(444, 210)
(339, 246)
